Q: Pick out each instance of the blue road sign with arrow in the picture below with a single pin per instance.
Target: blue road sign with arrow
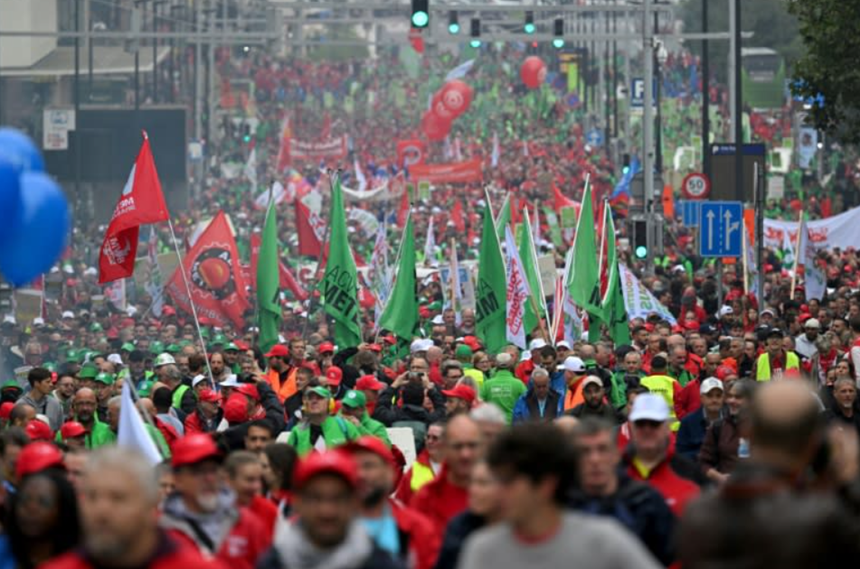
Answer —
(594, 137)
(720, 229)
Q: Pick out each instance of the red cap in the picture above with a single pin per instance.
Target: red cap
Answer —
(333, 374)
(369, 383)
(39, 431)
(209, 395)
(472, 342)
(248, 389)
(691, 325)
(390, 339)
(371, 445)
(335, 462)
(72, 429)
(236, 409)
(192, 449)
(38, 456)
(326, 348)
(6, 409)
(168, 311)
(424, 312)
(241, 345)
(278, 351)
(375, 348)
(463, 392)
(723, 372)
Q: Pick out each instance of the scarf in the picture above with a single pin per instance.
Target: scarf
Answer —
(298, 552)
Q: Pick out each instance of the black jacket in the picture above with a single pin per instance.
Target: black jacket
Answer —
(639, 508)
(378, 559)
(388, 411)
(459, 529)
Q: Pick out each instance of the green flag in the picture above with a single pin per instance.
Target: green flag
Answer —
(339, 285)
(268, 296)
(401, 311)
(490, 293)
(504, 218)
(613, 297)
(584, 281)
(528, 255)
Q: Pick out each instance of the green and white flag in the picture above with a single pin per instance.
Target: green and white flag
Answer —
(401, 312)
(490, 292)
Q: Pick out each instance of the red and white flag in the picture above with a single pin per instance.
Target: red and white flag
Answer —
(215, 277)
(518, 292)
(308, 225)
(141, 202)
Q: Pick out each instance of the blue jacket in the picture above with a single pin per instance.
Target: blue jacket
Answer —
(527, 408)
(691, 434)
(557, 383)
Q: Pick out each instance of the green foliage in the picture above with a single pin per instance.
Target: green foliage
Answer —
(769, 20)
(829, 66)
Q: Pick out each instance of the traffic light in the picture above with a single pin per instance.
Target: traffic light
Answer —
(529, 26)
(640, 239)
(453, 23)
(476, 33)
(420, 13)
(558, 32)
(625, 164)
(246, 133)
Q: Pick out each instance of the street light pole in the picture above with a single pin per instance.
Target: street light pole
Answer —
(706, 99)
(648, 133)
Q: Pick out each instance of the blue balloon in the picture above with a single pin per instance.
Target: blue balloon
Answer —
(17, 148)
(10, 199)
(42, 232)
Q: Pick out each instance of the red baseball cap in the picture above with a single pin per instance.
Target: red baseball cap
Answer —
(326, 348)
(209, 395)
(336, 462)
(472, 342)
(372, 445)
(241, 345)
(390, 339)
(334, 375)
(39, 431)
(38, 456)
(168, 311)
(72, 429)
(248, 389)
(369, 383)
(460, 391)
(194, 448)
(278, 351)
(375, 348)
(6, 409)
(723, 372)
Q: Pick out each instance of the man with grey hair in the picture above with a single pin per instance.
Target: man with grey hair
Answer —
(540, 402)
(841, 411)
(119, 513)
(503, 388)
(182, 396)
(114, 406)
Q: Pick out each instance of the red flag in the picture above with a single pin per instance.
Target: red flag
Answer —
(286, 278)
(215, 277)
(141, 202)
(562, 201)
(457, 217)
(309, 243)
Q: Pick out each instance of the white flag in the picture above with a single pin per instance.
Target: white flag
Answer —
(155, 284)
(525, 148)
(380, 274)
(250, 169)
(278, 194)
(115, 294)
(813, 277)
(517, 293)
(751, 267)
(359, 176)
(494, 159)
(133, 433)
(430, 245)
(536, 238)
(460, 71)
(788, 253)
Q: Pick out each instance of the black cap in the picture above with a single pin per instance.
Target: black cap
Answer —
(775, 333)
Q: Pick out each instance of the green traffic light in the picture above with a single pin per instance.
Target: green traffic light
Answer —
(529, 28)
(454, 28)
(475, 43)
(641, 252)
(625, 169)
(247, 138)
(420, 19)
(558, 43)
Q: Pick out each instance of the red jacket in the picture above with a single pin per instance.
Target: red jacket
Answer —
(424, 541)
(267, 512)
(245, 542)
(168, 432)
(170, 554)
(440, 501)
(677, 491)
(689, 399)
(404, 491)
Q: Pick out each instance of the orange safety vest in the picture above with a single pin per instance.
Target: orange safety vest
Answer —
(283, 390)
(574, 395)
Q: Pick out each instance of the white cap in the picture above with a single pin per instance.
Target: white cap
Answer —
(650, 407)
(115, 359)
(91, 272)
(574, 364)
(131, 310)
(421, 345)
(231, 381)
(812, 323)
(68, 269)
(38, 321)
(537, 344)
(562, 344)
(767, 311)
(163, 360)
(438, 320)
(504, 359)
(592, 380)
(197, 379)
(725, 309)
(525, 356)
(710, 384)
(43, 418)
(68, 314)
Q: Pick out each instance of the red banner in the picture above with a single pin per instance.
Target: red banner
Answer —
(453, 173)
(215, 277)
(334, 148)
(307, 227)
(410, 152)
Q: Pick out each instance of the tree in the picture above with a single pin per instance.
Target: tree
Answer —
(828, 29)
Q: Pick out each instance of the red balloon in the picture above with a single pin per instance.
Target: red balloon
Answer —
(215, 272)
(438, 108)
(456, 96)
(533, 72)
(435, 128)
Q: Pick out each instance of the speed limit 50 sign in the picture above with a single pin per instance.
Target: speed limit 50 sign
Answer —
(696, 186)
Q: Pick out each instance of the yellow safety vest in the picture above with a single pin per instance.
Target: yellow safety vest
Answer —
(421, 476)
(762, 366)
(664, 386)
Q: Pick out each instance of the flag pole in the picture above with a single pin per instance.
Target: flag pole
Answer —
(532, 301)
(191, 302)
(310, 300)
(796, 253)
(744, 252)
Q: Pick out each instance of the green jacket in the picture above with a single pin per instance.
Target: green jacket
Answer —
(374, 428)
(100, 436)
(335, 431)
(158, 438)
(503, 389)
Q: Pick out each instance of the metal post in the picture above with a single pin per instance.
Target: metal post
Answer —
(615, 74)
(732, 40)
(88, 18)
(706, 100)
(739, 109)
(759, 233)
(659, 149)
(77, 100)
(198, 76)
(155, 52)
(648, 130)
(605, 86)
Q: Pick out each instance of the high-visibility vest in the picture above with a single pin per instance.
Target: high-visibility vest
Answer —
(283, 390)
(421, 476)
(664, 386)
(762, 366)
(176, 403)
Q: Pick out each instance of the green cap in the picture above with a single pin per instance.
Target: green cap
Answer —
(219, 339)
(590, 363)
(231, 346)
(463, 351)
(321, 391)
(354, 399)
(145, 389)
(50, 366)
(10, 384)
(435, 305)
(183, 343)
(156, 348)
(72, 354)
(106, 378)
(173, 349)
(96, 327)
(204, 331)
(127, 347)
(88, 371)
